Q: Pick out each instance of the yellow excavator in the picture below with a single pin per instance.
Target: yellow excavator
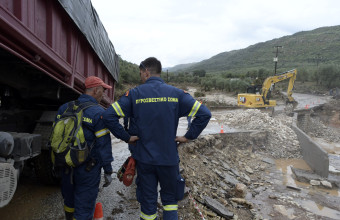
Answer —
(258, 97)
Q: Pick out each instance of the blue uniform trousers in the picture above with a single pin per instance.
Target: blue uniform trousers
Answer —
(147, 180)
(81, 196)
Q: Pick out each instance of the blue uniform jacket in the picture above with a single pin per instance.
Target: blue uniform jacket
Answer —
(94, 128)
(130, 124)
(156, 108)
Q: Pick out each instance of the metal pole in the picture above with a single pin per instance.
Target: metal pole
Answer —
(276, 57)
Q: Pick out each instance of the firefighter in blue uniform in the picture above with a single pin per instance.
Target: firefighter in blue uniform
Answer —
(156, 108)
(80, 185)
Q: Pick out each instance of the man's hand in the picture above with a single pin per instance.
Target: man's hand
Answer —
(133, 140)
(181, 139)
(108, 179)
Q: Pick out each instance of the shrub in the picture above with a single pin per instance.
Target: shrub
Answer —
(199, 94)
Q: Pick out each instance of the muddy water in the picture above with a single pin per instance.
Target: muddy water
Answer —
(284, 165)
(320, 210)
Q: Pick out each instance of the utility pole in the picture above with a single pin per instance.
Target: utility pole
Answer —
(276, 57)
(167, 76)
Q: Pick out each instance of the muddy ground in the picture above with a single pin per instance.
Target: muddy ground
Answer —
(245, 172)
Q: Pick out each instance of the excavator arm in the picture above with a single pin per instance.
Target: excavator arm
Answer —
(267, 84)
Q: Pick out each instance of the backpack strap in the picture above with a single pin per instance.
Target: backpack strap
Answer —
(70, 106)
(83, 106)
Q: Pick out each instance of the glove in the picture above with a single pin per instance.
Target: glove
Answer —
(108, 179)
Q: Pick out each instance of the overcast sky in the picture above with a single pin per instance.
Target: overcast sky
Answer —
(185, 31)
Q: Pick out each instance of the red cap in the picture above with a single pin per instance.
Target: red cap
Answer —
(94, 81)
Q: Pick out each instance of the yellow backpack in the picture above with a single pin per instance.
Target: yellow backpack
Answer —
(67, 140)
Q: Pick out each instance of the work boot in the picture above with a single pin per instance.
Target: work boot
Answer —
(69, 215)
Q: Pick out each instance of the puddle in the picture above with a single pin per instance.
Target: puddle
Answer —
(332, 192)
(320, 210)
(284, 165)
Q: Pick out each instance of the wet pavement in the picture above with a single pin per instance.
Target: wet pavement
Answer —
(300, 200)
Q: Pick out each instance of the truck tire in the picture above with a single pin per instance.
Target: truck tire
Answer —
(44, 169)
(43, 165)
(9, 181)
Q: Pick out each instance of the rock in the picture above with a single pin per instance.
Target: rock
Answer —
(249, 170)
(305, 175)
(219, 144)
(210, 214)
(231, 180)
(215, 162)
(245, 177)
(281, 209)
(315, 183)
(293, 187)
(235, 172)
(240, 190)
(272, 196)
(218, 208)
(326, 184)
(219, 173)
(181, 170)
(242, 202)
(259, 189)
(223, 185)
(225, 166)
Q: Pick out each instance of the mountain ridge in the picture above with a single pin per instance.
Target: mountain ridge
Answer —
(304, 48)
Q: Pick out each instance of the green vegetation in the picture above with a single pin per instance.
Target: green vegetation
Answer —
(304, 49)
(315, 55)
(129, 72)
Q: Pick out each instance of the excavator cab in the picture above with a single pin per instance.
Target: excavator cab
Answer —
(254, 89)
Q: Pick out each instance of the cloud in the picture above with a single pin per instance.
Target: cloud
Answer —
(180, 32)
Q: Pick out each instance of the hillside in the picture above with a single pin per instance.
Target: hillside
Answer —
(302, 49)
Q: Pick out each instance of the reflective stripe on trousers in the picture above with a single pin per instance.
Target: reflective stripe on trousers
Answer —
(148, 217)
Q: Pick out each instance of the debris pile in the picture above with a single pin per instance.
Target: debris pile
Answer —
(319, 130)
(220, 175)
(219, 100)
(282, 140)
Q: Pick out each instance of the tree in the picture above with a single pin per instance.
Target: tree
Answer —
(227, 85)
(302, 75)
(220, 84)
(199, 73)
(329, 75)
